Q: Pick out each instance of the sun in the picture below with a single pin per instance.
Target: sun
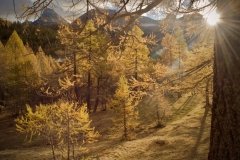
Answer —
(213, 18)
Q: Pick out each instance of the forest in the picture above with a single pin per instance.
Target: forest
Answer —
(110, 81)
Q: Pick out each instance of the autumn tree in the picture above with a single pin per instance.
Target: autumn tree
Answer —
(225, 122)
(1, 45)
(87, 54)
(3, 71)
(169, 44)
(22, 74)
(15, 45)
(101, 72)
(125, 105)
(168, 24)
(196, 69)
(61, 124)
(92, 46)
(44, 64)
(174, 48)
(135, 56)
(182, 47)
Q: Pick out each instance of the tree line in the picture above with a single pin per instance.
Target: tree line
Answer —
(96, 72)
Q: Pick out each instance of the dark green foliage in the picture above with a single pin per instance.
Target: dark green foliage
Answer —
(34, 35)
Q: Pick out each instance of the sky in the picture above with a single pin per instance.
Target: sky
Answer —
(60, 6)
(7, 8)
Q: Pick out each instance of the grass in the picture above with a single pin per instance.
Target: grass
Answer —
(185, 137)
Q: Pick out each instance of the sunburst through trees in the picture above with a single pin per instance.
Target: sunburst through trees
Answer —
(114, 75)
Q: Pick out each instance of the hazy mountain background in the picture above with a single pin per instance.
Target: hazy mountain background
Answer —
(43, 31)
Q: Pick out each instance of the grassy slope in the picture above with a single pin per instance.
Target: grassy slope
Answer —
(186, 137)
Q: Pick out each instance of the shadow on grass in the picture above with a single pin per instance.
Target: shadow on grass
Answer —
(200, 134)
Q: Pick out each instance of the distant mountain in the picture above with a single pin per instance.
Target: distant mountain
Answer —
(150, 26)
(50, 18)
(192, 25)
(147, 24)
(92, 14)
(43, 31)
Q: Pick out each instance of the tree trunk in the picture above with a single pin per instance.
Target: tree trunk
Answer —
(76, 88)
(179, 94)
(73, 153)
(89, 71)
(170, 58)
(158, 117)
(225, 129)
(98, 94)
(89, 91)
(68, 137)
(2, 96)
(52, 147)
(136, 65)
(125, 123)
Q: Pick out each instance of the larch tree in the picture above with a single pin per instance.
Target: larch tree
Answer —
(3, 73)
(182, 47)
(15, 45)
(125, 105)
(92, 47)
(225, 141)
(86, 47)
(69, 38)
(53, 63)
(1, 45)
(135, 56)
(174, 47)
(197, 69)
(170, 49)
(101, 71)
(22, 74)
(61, 124)
(167, 25)
(32, 58)
(45, 66)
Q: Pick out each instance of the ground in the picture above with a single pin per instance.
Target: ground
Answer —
(185, 137)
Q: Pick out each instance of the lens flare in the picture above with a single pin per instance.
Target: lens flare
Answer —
(212, 18)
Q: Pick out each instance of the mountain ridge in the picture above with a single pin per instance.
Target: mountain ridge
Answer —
(50, 17)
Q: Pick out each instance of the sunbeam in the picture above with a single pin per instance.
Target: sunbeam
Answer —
(212, 18)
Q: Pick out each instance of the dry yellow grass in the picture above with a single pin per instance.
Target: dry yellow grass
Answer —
(185, 137)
